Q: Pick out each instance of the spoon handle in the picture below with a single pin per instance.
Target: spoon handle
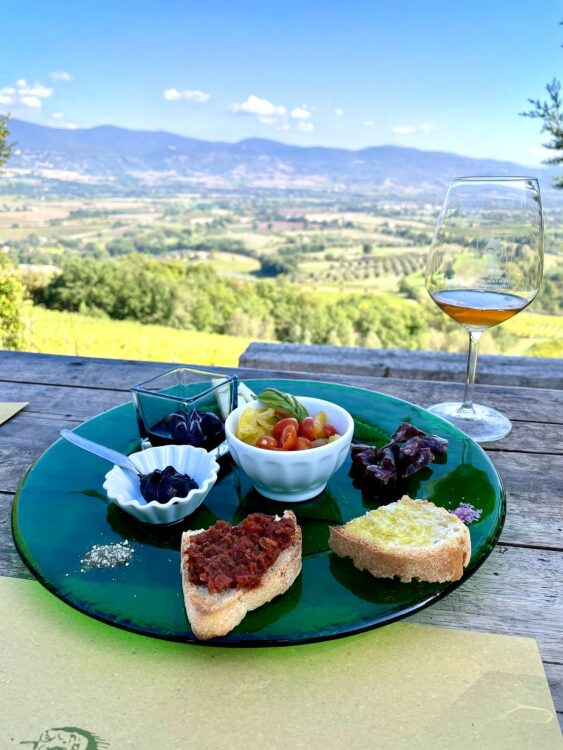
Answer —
(221, 450)
(100, 450)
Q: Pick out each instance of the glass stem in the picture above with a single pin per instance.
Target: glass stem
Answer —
(474, 338)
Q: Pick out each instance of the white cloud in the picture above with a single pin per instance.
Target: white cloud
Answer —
(339, 112)
(197, 96)
(36, 89)
(71, 125)
(61, 75)
(191, 95)
(274, 115)
(403, 129)
(57, 115)
(369, 123)
(33, 102)
(261, 107)
(172, 95)
(425, 127)
(25, 94)
(300, 113)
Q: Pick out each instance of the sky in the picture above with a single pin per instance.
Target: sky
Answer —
(448, 75)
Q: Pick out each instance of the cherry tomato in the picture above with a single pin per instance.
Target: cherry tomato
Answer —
(306, 428)
(267, 442)
(288, 438)
(281, 425)
(319, 423)
(330, 430)
(303, 444)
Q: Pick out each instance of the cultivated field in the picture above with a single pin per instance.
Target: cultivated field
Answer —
(327, 245)
(57, 332)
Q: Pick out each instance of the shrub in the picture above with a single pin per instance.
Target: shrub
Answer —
(12, 300)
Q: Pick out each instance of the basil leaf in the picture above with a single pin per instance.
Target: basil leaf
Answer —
(283, 402)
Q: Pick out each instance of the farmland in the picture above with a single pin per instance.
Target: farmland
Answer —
(328, 246)
(74, 334)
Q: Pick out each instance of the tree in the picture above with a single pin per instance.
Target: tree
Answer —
(273, 265)
(5, 147)
(12, 290)
(12, 298)
(552, 115)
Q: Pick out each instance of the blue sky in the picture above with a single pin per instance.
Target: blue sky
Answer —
(437, 74)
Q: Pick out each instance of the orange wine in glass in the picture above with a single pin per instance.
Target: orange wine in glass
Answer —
(485, 266)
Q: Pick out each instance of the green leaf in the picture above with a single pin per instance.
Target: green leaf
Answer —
(283, 402)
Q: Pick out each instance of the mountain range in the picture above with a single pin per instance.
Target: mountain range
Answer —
(112, 155)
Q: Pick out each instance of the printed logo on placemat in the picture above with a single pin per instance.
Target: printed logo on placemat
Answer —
(67, 738)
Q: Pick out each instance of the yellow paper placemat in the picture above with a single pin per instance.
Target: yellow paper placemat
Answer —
(7, 410)
(65, 678)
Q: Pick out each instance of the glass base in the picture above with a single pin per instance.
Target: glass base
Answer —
(481, 423)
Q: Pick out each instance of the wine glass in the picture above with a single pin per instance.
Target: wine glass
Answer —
(485, 266)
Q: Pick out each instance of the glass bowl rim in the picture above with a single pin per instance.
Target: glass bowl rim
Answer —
(140, 387)
(495, 178)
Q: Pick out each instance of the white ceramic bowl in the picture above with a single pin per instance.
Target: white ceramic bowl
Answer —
(293, 476)
(123, 488)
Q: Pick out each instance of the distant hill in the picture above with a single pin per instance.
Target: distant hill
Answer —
(145, 158)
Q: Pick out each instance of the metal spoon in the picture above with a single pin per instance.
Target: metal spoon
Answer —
(221, 450)
(109, 454)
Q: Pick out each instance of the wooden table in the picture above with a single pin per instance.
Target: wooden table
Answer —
(518, 590)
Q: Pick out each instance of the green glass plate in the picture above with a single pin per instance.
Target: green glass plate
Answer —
(60, 512)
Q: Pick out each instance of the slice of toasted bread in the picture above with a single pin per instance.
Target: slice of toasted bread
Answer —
(213, 615)
(409, 539)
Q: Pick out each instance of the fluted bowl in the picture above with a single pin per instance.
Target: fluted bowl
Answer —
(123, 489)
(293, 476)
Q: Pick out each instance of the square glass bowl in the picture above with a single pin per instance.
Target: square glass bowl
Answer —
(171, 410)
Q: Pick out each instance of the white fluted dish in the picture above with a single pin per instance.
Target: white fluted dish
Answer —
(123, 489)
(293, 476)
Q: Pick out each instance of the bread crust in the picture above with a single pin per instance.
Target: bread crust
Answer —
(213, 615)
(443, 561)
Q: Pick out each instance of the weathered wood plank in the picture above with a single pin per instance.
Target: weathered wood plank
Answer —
(554, 674)
(525, 404)
(11, 563)
(12, 566)
(532, 481)
(62, 401)
(83, 372)
(22, 441)
(533, 485)
(75, 404)
(530, 437)
(533, 489)
(517, 591)
(535, 372)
